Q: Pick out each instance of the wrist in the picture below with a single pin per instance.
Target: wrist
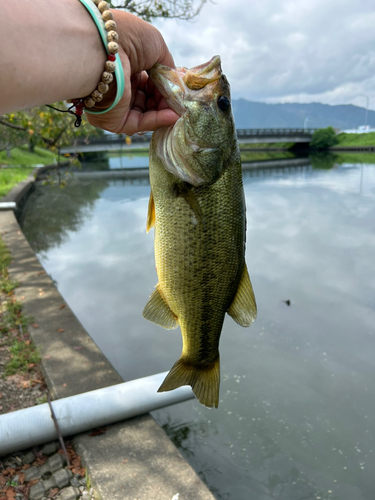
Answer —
(65, 60)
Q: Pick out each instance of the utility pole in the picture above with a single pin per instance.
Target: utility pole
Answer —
(367, 103)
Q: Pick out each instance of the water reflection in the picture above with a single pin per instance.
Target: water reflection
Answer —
(52, 213)
(296, 418)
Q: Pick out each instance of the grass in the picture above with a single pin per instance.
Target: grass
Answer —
(20, 166)
(11, 176)
(13, 322)
(355, 158)
(21, 157)
(265, 155)
(268, 145)
(23, 353)
(356, 139)
(130, 152)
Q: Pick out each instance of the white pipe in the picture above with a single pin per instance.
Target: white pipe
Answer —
(33, 426)
(7, 205)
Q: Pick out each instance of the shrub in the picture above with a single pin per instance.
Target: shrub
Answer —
(324, 138)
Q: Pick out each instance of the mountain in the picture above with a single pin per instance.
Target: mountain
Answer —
(251, 114)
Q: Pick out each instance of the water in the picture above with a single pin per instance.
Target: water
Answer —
(296, 418)
(116, 162)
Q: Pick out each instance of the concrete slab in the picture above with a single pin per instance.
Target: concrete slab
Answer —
(132, 461)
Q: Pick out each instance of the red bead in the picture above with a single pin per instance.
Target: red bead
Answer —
(79, 112)
(111, 57)
(80, 105)
(75, 101)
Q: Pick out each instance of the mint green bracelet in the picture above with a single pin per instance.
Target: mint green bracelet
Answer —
(97, 10)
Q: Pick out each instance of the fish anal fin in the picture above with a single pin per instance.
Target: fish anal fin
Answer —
(151, 213)
(205, 381)
(158, 311)
(243, 309)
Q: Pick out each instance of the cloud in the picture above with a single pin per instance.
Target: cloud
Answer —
(288, 51)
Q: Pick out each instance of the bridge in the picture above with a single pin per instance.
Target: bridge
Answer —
(120, 142)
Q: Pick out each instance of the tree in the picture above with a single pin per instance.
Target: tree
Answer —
(151, 9)
(41, 126)
(48, 128)
(324, 138)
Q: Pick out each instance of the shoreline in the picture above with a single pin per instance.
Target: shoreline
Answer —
(154, 466)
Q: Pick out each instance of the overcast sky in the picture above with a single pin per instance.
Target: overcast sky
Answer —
(284, 50)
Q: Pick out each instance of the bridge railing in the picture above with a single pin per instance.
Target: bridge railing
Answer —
(241, 133)
(253, 132)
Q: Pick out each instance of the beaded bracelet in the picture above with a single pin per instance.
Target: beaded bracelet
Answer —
(103, 18)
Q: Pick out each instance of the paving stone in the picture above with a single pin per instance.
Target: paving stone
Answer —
(69, 493)
(49, 483)
(56, 462)
(28, 458)
(32, 473)
(75, 482)
(62, 477)
(50, 448)
(36, 491)
(45, 468)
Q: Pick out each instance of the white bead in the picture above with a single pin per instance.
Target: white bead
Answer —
(102, 6)
(112, 36)
(112, 47)
(96, 96)
(110, 66)
(107, 77)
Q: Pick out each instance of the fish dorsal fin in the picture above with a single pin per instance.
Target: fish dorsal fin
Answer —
(243, 309)
(151, 213)
(159, 312)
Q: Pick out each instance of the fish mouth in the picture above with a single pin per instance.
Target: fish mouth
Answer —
(175, 84)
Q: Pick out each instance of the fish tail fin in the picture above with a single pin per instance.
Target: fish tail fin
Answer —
(204, 381)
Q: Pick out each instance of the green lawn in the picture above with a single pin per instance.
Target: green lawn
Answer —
(11, 176)
(268, 145)
(17, 168)
(355, 157)
(356, 139)
(265, 155)
(130, 152)
(21, 157)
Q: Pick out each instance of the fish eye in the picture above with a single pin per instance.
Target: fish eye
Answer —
(223, 102)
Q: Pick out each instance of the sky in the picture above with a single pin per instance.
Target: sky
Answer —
(284, 50)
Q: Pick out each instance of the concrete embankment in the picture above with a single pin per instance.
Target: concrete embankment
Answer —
(131, 459)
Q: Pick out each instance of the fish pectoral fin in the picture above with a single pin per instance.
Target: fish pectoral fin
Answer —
(186, 191)
(243, 309)
(159, 312)
(205, 381)
(151, 213)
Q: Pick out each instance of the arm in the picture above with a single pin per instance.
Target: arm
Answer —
(51, 51)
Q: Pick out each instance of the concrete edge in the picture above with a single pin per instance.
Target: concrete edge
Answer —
(72, 364)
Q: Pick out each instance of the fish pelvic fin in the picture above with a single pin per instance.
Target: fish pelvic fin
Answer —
(151, 213)
(243, 309)
(205, 381)
(159, 312)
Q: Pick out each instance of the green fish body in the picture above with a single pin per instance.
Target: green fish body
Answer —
(197, 207)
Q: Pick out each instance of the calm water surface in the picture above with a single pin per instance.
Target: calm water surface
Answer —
(296, 419)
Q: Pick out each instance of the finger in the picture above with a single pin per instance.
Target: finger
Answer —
(149, 121)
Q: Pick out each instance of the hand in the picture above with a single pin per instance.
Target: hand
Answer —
(142, 108)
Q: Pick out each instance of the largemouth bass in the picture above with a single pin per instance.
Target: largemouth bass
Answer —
(197, 207)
